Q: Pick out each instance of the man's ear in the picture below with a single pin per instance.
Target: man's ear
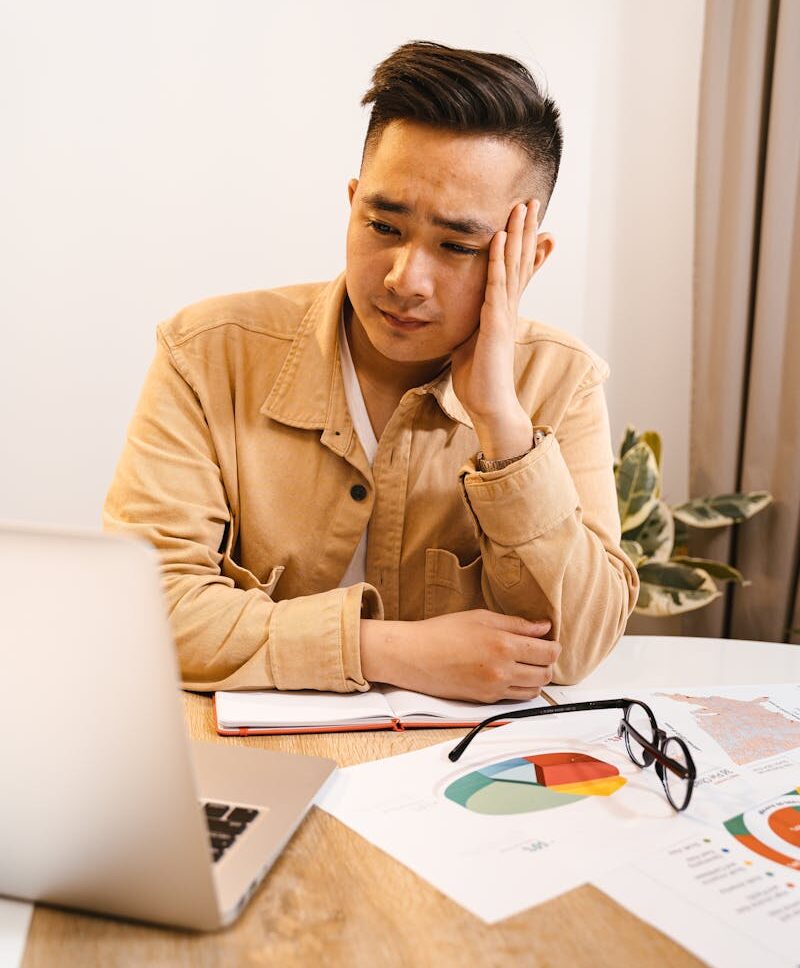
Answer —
(545, 243)
(352, 185)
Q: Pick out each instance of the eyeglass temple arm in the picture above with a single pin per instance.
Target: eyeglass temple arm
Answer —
(569, 707)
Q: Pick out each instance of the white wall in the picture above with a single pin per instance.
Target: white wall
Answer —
(156, 153)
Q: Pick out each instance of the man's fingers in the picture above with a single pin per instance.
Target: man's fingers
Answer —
(518, 624)
(534, 652)
(516, 226)
(531, 676)
(529, 239)
(496, 278)
(515, 692)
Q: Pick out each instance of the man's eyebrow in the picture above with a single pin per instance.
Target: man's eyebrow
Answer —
(465, 225)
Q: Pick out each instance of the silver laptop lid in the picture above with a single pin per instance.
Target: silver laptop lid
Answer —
(99, 809)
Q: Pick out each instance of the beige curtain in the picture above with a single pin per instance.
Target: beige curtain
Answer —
(745, 432)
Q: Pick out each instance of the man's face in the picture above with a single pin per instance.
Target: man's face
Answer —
(422, 216)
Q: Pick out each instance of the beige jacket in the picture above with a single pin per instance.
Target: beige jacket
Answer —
(242, 467)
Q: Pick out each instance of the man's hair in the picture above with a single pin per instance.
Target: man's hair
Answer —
(468, 91)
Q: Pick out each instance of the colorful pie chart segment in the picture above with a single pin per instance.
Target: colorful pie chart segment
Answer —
(540, 781)
(779, 841)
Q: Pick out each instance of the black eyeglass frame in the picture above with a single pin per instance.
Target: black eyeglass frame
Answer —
(652, 752)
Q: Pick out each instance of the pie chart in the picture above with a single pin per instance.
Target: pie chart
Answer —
(540, 781)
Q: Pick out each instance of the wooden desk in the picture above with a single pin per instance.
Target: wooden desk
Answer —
(333, 899)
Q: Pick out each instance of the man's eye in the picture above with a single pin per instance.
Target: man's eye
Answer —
(460, 249)
(381, 227)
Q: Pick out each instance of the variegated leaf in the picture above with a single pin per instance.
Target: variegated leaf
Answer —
(725, 509)
(681, 546)
(653, 441)
(628, 441)
(634, 551)
(717, 569)
(656, 534)
(637, 483)
(669, 589)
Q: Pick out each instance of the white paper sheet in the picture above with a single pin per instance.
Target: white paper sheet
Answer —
(456, 825)
(15, 917)
(731, 893)
(727, 904)
(741, 737)
(498, 863)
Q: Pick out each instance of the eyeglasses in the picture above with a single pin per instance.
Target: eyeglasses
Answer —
(645, 742)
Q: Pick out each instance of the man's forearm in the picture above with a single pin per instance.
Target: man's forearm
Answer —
(382, 647)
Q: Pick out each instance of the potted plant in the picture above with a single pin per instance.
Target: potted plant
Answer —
(655, 536)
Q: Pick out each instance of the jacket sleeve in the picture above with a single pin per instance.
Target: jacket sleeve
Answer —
(229, 633)
(549, 534)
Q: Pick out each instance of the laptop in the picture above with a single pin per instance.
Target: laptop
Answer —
(107, 806)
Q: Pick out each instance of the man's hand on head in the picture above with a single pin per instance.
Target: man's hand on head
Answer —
(483, 366)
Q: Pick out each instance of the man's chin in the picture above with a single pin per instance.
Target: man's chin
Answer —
(406, 354)
(405, 347)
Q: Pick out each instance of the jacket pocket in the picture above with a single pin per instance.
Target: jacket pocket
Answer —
(449, 585)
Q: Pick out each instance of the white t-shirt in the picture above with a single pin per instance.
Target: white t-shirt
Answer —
(356, 570)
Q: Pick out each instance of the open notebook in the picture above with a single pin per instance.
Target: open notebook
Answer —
(246, 713)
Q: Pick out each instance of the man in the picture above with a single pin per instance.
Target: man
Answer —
(390, 477)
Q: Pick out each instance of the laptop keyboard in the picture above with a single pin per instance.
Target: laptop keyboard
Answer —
(225, 823)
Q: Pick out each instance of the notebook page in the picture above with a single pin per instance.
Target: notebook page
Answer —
(276, 709)
(417, 706)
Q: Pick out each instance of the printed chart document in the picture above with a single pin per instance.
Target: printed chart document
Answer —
(15, 918)
(543, 805)
(713, 896)
(744, 739)
(531, 810)
(248, 713)
(730, 892)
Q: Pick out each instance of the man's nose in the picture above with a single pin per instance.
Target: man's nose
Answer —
(411, 275)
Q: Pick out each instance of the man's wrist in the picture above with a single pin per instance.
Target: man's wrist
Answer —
(505, 438)
(380, 642)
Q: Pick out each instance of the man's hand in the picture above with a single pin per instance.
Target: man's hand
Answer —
(483, 367)
(477, 655)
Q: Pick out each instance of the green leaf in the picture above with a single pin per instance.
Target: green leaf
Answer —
(656, 534)
(653, 441)
(681, 546)
(725, 509)
(669, 589)
(717, 569)
(637, 481)
(628, 441)
(634, 551)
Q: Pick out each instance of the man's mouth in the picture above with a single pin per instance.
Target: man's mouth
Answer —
(403, 322)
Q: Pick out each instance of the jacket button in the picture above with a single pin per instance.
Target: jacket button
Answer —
(358, 492)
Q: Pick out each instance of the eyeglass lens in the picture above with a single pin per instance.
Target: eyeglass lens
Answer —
(639, 718)
(677, 788)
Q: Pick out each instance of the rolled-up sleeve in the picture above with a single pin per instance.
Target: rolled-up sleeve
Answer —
(550, 536)
(229, 632)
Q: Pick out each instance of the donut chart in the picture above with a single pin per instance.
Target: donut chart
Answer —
(771, 829)
(540, 781)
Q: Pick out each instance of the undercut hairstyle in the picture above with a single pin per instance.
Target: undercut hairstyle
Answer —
(472, 92)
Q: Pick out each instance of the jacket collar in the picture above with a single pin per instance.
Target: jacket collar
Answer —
(444, 394)
(309, 390)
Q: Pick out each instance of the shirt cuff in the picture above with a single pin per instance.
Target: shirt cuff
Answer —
(520, 502)
(314, 640)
